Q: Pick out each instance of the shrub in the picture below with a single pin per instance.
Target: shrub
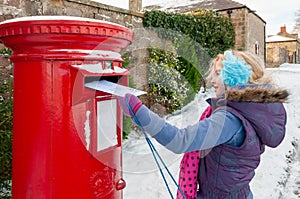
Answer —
(196, 38)
(127, 121)
(5, 135)
(168, 86)
(213, 31)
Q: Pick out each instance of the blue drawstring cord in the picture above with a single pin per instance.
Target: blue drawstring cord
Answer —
(155, 155)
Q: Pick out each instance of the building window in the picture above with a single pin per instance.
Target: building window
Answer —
(256, 48)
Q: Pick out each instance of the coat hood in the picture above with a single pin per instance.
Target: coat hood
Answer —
(256, 93)
(262, 107)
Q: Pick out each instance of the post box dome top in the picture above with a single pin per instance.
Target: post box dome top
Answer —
(41, 34)
(17, 23)
(51, 18)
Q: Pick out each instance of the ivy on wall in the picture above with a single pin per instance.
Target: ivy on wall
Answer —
(6, 103)
(211, 30)
(197, 38)
(5, 137)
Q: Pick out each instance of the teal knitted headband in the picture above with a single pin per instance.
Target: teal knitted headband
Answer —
(235, 71)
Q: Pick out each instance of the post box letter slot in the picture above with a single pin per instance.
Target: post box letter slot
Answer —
(113, 79)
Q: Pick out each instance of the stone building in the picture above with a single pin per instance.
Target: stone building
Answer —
(282, 48)
(249, 27)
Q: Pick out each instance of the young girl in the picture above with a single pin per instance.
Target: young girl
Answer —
(247, 114)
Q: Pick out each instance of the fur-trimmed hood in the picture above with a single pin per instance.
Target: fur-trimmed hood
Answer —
(256, 93)
(262, 106)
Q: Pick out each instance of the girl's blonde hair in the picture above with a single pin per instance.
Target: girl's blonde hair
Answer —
(258, 75)
(211, 70)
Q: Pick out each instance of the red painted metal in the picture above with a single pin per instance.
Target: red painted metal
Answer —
(56, 125)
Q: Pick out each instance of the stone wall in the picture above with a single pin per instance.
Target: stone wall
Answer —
(81, 8)
(286, 43)
(8, 9)
(238, 18)
(6, 69)
(248, 38)
(282, 52)
(276, 57)
(256, 36)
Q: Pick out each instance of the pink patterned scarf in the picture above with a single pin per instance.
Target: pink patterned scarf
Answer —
(189, 169)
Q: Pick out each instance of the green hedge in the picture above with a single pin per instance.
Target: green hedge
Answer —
(211, 30)
(196, 39)
(5, 135)
(167, 81)
(127, 121)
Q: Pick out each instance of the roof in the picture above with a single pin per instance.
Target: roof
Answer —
(278, 38)
(285, 34)
(183, 6)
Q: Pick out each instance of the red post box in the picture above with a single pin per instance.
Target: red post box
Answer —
(67, 138)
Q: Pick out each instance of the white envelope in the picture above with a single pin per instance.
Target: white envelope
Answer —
(113, 88)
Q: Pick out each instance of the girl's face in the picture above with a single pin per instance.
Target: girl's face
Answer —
(216, 80)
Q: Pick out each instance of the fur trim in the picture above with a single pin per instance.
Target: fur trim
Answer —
(257, 94)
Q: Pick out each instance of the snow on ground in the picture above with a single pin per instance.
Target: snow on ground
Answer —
(277, 177)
